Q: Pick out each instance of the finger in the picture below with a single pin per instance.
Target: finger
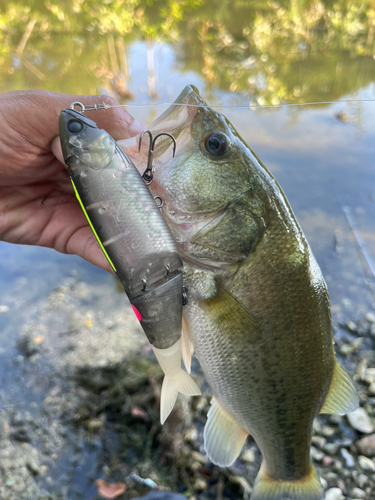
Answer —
(56, 149)
(41, 111)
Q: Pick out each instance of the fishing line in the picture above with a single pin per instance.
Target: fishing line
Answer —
(97, 107)
(240, 106)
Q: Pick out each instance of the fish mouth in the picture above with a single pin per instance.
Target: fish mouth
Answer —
(175, 120)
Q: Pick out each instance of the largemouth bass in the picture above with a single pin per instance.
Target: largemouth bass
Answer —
(135, 239)
(258, 312)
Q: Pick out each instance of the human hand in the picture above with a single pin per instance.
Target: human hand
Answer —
(37, 202)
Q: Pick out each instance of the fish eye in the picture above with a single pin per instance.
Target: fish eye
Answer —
(75, 126)
(216, 144)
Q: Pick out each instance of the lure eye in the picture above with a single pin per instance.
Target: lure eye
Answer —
(216, 144)
(75, 126)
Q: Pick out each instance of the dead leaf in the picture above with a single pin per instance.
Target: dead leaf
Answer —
(110, 490)
(89, 323)
(38, 340)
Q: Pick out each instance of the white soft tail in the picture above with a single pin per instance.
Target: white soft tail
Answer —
(176, 379)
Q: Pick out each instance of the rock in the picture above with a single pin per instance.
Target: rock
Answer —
(370, 317)
(200, 485)
(349, 460)
(22, 434)
(334, 494)
(357, 493)
(318, 441)
(371, 389)
(347, 349)
(366, 446)
(361, 480)
(248, 456)
(331, 448)
(370, 375)
(328, 431)
(351, 326)
(316, 454)
(366, 463)
(360, 421)
(26, 346)
(361, 369)
(327, 461)
(32, 465)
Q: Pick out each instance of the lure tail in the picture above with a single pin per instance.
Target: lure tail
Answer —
(306, 488)
(176, 380)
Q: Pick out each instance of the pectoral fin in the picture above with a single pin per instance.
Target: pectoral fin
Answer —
(342, 397)
(223, 438)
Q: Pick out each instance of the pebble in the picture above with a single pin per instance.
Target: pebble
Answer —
(331, 448)
(370, 317)
(334, 494)
(316, 454)
(347, 349)
(370, 374)
(349, 460)
(361, 480)
(327, 461)
(351, 326)
(328, 431)
(360, 421)
(3, 309)
(362, 369)
(248, 456)
(366, 445)
(200, 485)
(357, 493)
(366, 463)
(32, 465)
(319, 441)
(371, 389)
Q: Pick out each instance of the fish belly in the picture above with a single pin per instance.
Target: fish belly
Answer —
(265, 378)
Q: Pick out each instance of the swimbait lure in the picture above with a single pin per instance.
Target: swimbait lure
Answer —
(135, 239)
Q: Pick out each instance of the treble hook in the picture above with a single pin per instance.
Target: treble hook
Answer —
(148, 173)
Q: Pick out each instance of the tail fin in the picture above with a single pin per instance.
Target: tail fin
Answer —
(182, 382)
(268, 488)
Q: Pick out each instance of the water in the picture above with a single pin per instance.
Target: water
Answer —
(144, 54)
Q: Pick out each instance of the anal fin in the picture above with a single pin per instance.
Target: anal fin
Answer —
(187, 347)
(342, 397)
(223, 438)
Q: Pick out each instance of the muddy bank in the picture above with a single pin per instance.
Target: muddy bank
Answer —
(86, 407)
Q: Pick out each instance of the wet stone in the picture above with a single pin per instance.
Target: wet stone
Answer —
(334, 494)
(316, 454)
(27, 347)
(370, 317)
(366, 446)
(249, 456)
(357, 493)
(32, 465)
(360, 421)
(22, 434)
(331, 448)
(361, 480)
(327, 431)
(349, 460)
(318, 441)
(366, 463)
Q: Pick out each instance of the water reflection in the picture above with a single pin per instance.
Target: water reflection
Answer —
(269, 53)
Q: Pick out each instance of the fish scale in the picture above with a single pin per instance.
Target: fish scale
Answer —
(258, 312)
